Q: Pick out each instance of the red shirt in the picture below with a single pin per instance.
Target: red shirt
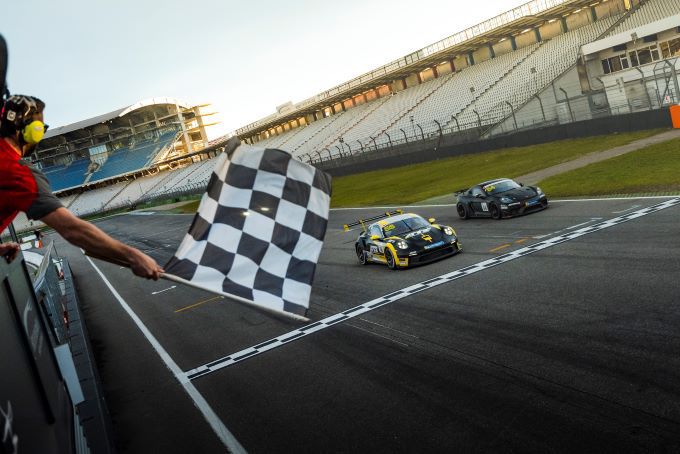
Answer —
(22, 188)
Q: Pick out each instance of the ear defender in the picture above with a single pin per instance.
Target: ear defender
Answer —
(34, 132)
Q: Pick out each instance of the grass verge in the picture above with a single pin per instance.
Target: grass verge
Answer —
(652, 169)
(418, 182)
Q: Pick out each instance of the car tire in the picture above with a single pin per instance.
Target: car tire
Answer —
(496, 212)
(390, 260)
(361, 255)
(462, 211)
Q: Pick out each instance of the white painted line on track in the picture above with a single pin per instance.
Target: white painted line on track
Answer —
(625, 211)
(539, 237)
(226, 437)
(327, 322)
(581, 224)
(603, 199)
(164, 290)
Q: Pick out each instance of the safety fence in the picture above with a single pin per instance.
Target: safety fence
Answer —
(562, 102)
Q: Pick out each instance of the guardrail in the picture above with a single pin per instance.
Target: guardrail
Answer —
(41, 399)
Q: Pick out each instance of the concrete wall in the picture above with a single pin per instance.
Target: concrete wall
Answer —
(525, 39)
(444, 69)
(460, 62)
(451, 146)
(427, 75)
(502, 48)
(610, 8)
(550, 30)
(481, 54)
(579, 19)
(412, 80)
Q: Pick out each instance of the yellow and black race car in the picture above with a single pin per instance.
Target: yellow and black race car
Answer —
(401, 240)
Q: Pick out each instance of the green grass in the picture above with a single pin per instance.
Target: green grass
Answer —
(188, 208)
(418, 182)
(652, 169)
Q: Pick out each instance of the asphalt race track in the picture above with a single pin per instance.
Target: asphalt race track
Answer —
(570, 348)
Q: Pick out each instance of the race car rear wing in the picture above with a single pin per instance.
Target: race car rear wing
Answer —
(362, 222)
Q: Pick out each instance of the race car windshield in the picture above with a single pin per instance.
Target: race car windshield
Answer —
(404, 226)
(501, 186)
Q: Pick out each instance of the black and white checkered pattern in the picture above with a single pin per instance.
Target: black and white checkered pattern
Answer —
(259, 229)
(415, 288)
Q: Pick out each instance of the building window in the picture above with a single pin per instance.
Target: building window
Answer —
(670, 48)
(645, 55)
(616, 63)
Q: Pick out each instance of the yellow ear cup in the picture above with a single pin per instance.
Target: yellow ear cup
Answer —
(34, 132)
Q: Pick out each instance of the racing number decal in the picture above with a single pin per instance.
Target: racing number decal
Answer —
(485, 206)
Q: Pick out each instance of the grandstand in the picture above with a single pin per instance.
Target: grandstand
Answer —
(498, 76)
(121, 142)
(547, 62)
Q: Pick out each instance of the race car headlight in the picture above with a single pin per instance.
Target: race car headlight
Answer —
(506, 200)
(449, 231)
(539, 191)
(402, 244)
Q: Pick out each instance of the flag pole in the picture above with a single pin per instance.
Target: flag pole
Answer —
(173, 278)
(179, 280)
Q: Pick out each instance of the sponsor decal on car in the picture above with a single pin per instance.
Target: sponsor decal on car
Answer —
(434, 245)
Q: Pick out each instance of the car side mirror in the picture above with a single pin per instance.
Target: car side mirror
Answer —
(432, 220)
(375, 237)
(521, 184)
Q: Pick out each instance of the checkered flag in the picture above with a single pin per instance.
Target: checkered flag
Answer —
(258, 231)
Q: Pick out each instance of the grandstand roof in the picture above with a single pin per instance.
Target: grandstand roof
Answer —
(114, 114)
(509, 23)
(666, 23)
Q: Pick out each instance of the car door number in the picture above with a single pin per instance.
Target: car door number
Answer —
(485, 206)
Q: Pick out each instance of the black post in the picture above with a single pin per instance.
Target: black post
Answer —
(404, 132)
(441, 134)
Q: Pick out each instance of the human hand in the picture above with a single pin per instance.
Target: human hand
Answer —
(143, 265)
(9, 251)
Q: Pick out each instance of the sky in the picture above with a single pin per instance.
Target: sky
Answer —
(88, 57)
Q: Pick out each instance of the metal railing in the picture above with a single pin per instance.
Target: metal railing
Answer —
(558, 103)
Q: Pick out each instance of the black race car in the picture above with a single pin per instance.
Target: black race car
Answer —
(402, 240)
(500, 198)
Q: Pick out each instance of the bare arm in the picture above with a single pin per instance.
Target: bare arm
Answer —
(94, 241)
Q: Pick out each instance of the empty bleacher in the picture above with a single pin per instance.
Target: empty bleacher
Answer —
(90, 202)
(72, 175)
(485, 89)
(127, 160)
(550, 60)
(649, 11)
(461, 90)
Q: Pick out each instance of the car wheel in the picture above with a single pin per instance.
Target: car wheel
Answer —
(361, 255)
(495, 211)
(462, 211)
(391, 261)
